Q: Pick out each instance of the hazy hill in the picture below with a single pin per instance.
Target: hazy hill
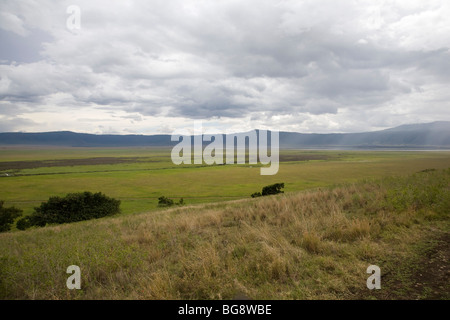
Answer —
(427, 135)
(72, 139)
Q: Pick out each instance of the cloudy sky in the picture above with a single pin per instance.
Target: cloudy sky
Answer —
(151, 67)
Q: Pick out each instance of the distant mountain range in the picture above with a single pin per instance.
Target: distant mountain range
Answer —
(435, 135)
(424, 135)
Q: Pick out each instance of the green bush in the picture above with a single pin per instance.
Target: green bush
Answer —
(269, 190)
(166, 202)
(23, 223)
(7, 216)
(272, 189)
(71, 208)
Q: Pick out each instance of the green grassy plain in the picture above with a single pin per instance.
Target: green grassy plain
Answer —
(312, 244)
(150, 174)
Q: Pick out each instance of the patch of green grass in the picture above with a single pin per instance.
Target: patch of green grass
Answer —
(139, 184)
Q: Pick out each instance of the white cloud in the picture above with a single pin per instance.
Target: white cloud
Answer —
(11, 22)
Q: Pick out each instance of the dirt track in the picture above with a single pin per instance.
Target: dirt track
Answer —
(19, 165)
(427, 278)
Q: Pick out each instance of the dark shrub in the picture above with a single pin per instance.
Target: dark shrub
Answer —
(23, 223)
(73, 207)
(269, 190)
(272, 189)
(166, 202)
(7, 216)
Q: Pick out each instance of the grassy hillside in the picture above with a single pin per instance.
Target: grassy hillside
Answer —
(313, 244)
